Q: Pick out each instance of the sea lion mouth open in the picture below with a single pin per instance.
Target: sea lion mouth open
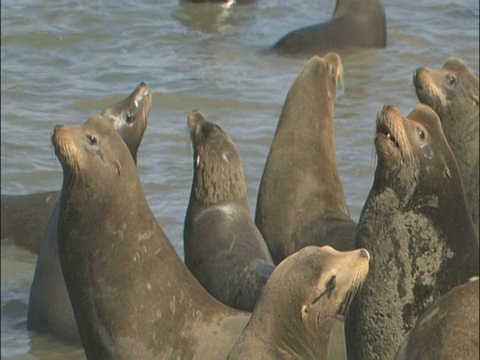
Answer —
(391, 140)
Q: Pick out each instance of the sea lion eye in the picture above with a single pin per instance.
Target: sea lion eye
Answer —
(331, 283)
(451, 80)
(129, 118)
(92, 140)
(421, 134)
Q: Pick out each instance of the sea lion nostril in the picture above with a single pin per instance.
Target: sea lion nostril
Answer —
(364, 254)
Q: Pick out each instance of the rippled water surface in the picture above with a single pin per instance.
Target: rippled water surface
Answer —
(65, 60)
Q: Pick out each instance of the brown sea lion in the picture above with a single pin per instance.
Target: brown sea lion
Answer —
(295, 314)
(354, 24)
(24, 218)
(132, 296)
(223, 248)
(416, 226)
(301, 199)
(49, 308)
(448, 330)
(452, 92)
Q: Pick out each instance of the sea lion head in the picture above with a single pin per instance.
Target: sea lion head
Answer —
(454, 89)
(90, 152)
(306, 292)
(338, 276)
(414, 159)
(130, 116)
(320, 72)
(218, 171)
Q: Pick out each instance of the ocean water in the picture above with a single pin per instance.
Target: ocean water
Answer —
(63, 61)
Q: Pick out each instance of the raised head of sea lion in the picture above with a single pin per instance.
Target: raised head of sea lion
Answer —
(301, 199)
(448, 330)
(25, 217)
(223, 248)
(354, 24)
(49, 308)
(132, 296)
(416, 226)
(452, 92)
(130, 116)
(294, 316)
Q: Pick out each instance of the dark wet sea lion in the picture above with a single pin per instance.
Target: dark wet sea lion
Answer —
(223, 248)
(354, 24)
(295, 314)
(452, 92)
(49, 308)
(301, 199)
(132, 296)
(416, 226)
(25, 218)
(448, 330)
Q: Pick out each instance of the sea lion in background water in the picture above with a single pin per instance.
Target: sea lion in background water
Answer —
(132, 296)
(452, 92)
(416, 226)
(223, 248)
(297, 309)
(49, 308)
(448, 330)
(301, 199)
(354, 24)
(25, 217)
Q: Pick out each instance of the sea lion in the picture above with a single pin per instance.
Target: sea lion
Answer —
(223, 248)
(295, 314)
(448, 330)
(301, 199)
(49, 308)
(25, 217)
(416, 226)
(354, 24)
(132, 296)
(452, 92)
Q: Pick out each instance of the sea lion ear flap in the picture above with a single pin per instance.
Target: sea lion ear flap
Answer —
(446, 171)
(118, 167)
(475, 99)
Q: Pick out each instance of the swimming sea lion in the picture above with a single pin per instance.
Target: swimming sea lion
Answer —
(452, 92)
(223, 248)
(301, 199)
(448, 330)
(295, 314)
(25, 217)
(354, 24)
(416, 226)
(49, 308)
(132, 296)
